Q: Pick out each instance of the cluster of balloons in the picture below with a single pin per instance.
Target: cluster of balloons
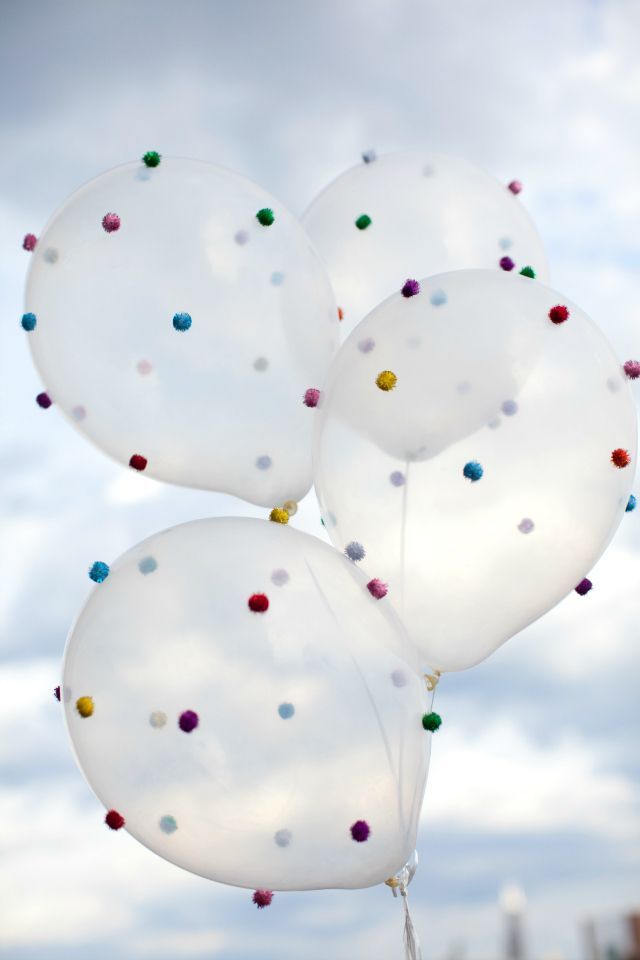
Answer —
(249, 701)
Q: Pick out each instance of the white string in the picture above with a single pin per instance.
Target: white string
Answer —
(412, 949)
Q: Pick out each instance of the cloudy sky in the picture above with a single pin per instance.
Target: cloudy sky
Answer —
(535, 775)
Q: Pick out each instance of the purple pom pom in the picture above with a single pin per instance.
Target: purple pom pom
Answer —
(360, 831)
(188, 721)
(411, 288)
(583, 587)
(507, 263)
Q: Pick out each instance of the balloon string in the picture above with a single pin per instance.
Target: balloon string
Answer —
(402, 534)
(412, 949)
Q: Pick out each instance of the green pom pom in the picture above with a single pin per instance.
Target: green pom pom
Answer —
(151, 158)
(265, 217)
(363, 221)
(432, 722)
(528, 272)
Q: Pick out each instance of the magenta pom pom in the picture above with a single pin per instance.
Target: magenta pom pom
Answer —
(311, 397)
(360, 831)
(377, 588)
(411, 288)
(515, 186)
(507, 263)
(262, 898)
(583, 587)
(56, 693)
(111, 222)
(632, 369)
(29, 242)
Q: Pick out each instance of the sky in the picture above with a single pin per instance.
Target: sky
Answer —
(535, 774)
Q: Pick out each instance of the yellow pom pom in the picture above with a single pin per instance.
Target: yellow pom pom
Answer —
(386, 380)
(84, 706)
(291, 507)
(279, 516)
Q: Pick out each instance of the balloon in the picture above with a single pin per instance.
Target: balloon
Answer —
(428, 214)
(181, 314)
(477, 441)
(256, 714)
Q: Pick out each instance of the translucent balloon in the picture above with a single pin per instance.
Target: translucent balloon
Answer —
(255, 713)
(415, 215)
(178, 327)
(480, 451)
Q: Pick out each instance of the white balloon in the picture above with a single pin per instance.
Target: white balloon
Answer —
(218, 405)
(484, 377)
(429, 214)
(309, 714)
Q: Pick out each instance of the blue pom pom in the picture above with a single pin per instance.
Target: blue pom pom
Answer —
(438, 298)
(99, 571)
(355, 551)
(168, 824)
(631, 505)
(263, 462)
(29, 321)
(286, 710)
(473, 471)
(147, 565)
(182, 321)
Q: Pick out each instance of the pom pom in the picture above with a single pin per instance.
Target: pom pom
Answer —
(138, 462)
(286, 710)
(620, 458)
(528, 272)
(631, 504)
(340, 313)
(110, 222)
(355, 551)
(283, 837)
(583, 587)
(411, 288)
(507, 263)
(114, 820)
(386, 380)
(432, 722)
(265, 217)
(397, 478)
(558, 314)
(291, 507)
(188, 720)
(515, 186)
(438, 298)
(262, 898)
(158, 719)
(278, 515)
(168, 824)
(368, 156)
(473, 471)
(28, 322)
(99, 571)
(148, 565)
(366, 345)
(29, 242)
(360, 831)
(526, 525)
(377, 588)
(84, 706)
(280, 577)
(509, 408)
(258, 602)
(263, 462)
(363, 221)
(44, 400)
(151, 158)
(56, 694)
(311, 397)
(631, 367)
(399, 678)
(181, 321)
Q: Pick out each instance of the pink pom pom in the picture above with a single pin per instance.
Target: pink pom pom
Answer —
(111, 222)
(377, 588)
(632, 369)
(29, 242)
(262, 898)
(311, 397)
(515, 186)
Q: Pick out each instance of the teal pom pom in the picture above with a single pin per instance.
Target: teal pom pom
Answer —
(99, 571)
(28, 322)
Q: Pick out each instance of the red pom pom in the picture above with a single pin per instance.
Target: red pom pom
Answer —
(558, 314)
(340, 313)
(114, 820)
(258, 602)
(29, 242)
(138, 462)
(620, 458)
(262, 898)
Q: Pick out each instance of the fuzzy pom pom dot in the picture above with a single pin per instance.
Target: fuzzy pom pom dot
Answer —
(258, 602)
(84, 706)
(363, 221)
(278, 515)
(631, 504)
(340, 313)
(355, 551)
(138, 462)
(528, 272)
(386, 380)
(558, 314)
(110, 222)
(148, 565)
(44, 400)
(188, 720)
(397, 478)
(56, 694)
(99, 571)
(432, 722)
(473, 471)
(283, 837)
(366, 345)
(280, 578)
(262, 898)
(158, 719)
(263, 462)
(114, 820)
(377, 588)
(265, 216)
(516, 187)
(631, 368)
(29, 321)
(151, 158)
(182, 321)
(168, 824)
(29, 242)
(411, 288)
(526, 525)
(509, 408)
(583, 587)
(620, 458)
(360, 831)
(438, 298)
(311, 397)
(286, 711)
(368, 156)
(399, 678)
(506, 263)
(291, 507)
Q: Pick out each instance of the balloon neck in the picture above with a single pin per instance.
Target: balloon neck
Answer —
(432, 680)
